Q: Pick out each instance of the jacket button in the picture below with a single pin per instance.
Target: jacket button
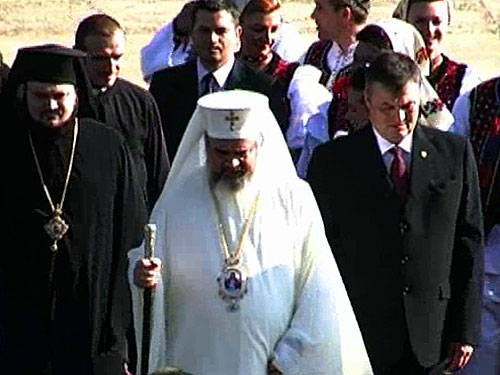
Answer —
(404, 227)
(405, 259)
(406, 290)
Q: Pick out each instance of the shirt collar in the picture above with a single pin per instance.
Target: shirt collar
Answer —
(220, 74)
(384, 145)
(337, 59)
(337, 53)
(99, 90)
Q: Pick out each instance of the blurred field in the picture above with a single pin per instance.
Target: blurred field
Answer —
(474, 36)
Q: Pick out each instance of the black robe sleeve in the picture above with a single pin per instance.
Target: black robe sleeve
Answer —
(157, 161)
(130, 216)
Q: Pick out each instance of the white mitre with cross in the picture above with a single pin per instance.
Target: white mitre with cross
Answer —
(233, 114)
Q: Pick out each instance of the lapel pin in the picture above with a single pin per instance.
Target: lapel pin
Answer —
(423, 154)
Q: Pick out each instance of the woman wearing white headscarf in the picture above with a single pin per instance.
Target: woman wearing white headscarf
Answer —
(432, 18)
(404, 38)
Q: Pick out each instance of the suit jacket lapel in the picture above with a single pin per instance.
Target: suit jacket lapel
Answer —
(424, 173)
(376, 169)
(236, 76)
(190, 82)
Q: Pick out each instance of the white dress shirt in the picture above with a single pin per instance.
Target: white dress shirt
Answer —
(384, 146)
(220, 74)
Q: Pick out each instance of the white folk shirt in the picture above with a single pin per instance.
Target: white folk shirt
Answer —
(338, 59)
(296, 309)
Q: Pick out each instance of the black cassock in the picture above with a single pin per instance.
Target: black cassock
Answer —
(133, 111)
(105, 210)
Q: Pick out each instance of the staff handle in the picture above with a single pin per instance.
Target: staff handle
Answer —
(149, 247)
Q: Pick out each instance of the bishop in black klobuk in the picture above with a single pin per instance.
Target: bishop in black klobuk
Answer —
(74, 210)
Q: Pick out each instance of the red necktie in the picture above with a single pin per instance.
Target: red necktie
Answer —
(399, 173)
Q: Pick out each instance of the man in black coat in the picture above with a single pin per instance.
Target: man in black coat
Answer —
(75, 209)
(402, 213)
(123, 105)
(4, 72)
(216, 38)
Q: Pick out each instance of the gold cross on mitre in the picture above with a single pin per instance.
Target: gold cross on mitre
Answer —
(232, 118)
(233, 114)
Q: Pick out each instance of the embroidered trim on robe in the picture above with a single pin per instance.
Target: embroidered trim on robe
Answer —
(447, 80)
(281, 69)
(317, 56)
(337, 111)
(484, 119)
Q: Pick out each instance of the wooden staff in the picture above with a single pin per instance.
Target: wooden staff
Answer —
(149, 245)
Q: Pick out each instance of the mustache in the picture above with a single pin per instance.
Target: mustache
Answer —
(231, 181)
(50, 112)
(238, 172)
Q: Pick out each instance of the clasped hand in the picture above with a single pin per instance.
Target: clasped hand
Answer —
(147, 272)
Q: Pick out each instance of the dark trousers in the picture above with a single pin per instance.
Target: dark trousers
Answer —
(410, 366)
(407, 363)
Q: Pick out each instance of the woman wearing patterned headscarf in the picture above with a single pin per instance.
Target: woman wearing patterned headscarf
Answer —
(432, 18)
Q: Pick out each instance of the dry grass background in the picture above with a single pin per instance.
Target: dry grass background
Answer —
(474, 36)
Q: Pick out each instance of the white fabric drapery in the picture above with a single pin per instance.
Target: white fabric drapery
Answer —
(296, 310)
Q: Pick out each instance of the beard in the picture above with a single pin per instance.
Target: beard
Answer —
(234, 193)
(232, 183)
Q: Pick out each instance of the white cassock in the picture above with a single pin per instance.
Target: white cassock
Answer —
(296, 309)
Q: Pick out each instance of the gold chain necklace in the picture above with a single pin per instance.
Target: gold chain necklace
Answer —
(56, 227)
(232, 258)
(233, 278)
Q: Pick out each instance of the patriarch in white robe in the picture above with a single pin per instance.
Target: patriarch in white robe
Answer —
(279, 304)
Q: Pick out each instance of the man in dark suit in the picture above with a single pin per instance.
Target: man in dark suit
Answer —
(402, 213)
(216, 38)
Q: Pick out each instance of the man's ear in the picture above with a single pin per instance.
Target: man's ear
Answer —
(239, 30)
(346, 14)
